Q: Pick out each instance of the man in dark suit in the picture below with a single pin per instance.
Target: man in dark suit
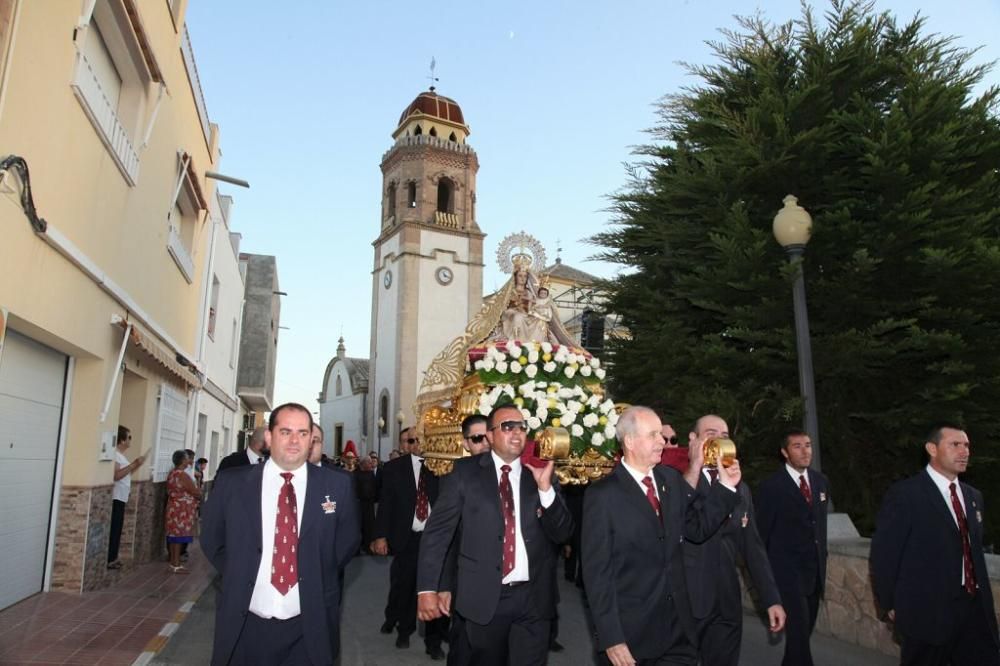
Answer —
(408, 498)
(711, 567)
(928, 569)
(279, 534)
(256, 452)
(792, 505)
(633, 523)
(509, 519)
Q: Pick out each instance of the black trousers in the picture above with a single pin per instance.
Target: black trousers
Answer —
(719, 639)
(402, 603)
(117, 521)
(970, 645)
(516, 636)
(271, 643)
(680, 651)
(800, 610)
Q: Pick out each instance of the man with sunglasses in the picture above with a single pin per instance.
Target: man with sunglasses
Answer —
(474, 434)
(711, 567)
(509, 519)
(407, 499)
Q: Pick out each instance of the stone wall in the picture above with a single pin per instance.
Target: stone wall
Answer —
(848, 612)
(83, 532)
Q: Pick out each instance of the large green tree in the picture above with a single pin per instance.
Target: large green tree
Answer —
(876, 126)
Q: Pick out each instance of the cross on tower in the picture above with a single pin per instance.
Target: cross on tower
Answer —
(433, 78)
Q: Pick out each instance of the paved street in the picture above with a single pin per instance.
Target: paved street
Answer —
(367, 582)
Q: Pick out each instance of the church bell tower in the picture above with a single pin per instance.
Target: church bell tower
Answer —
(427, 278)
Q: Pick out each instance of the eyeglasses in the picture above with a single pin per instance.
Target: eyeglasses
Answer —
(411, 440)
(671, 440)
(476, 439)
(508, 426)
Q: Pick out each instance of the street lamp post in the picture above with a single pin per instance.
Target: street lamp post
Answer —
(400, 417)
(792, 228)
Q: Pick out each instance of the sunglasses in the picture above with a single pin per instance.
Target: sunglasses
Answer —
(476, 439)
(508, 426)
(671, 440)
(411, 440)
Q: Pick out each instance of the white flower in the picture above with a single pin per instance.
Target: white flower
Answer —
(600, 373)
(502, 367)
(595, 362)
(546, 347)
(569, 371)
(590, 420)
(526, 389)
(513, 350)
(593, 401)
(542, 414)
(509, 390)
(585, 370)
(488, 364)
(567, 418)
(480, 364)
(525, 413)
(561, 356)
(579, 392)
(515, 367)
(607, 406)
(596, 439)
(534, 423)
(609, 431)
(533, 356)
(565, 392)
(549, 367)
(613, 418)
(531, 370)
(485, 409)
(577, 430)
(574, 406)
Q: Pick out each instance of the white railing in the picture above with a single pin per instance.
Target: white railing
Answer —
(199, 97)
(104, 116)
(432, 141)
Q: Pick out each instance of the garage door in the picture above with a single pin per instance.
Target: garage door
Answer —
(32, 378)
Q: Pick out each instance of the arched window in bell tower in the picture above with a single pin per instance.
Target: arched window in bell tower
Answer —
(418, 131)
(433, 131)
(446, 196)
(411, 194)
(453, 138)
(391, 204)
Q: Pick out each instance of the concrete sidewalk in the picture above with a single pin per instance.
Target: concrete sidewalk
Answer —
(362, 645)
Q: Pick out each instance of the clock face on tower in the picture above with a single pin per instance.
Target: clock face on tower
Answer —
(387, 280)
(444, 275)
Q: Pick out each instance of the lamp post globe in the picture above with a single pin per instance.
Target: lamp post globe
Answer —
(792, 228)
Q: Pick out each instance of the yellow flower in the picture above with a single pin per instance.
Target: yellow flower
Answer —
(523, 360)
(552, 403)
(519, 401)
(546, 357)
(556, 422)
(551, 389)
(603, 420)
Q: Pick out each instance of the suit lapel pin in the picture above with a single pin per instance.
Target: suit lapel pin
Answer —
(822, 497)
(744, 520)
(663, 489)
(979, 516)
(538, 512)
(328, 506)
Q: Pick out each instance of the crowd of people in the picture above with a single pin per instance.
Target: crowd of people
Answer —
(656, 546)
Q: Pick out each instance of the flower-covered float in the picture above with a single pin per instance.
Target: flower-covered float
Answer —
(516, 351)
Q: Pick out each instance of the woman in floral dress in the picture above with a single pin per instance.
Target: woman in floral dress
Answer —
(182, 507)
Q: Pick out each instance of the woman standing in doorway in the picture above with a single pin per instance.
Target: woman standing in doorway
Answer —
(182, 505)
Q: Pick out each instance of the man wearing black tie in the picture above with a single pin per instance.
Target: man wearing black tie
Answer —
(509, 519)
(791, 518)
(928, 569)
(713, 580)
(634, 521)
(407, 499)
(256, 452)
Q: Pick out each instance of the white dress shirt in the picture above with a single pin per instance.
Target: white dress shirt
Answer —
(520, 571)
(639, 476)
(254, 458)
(266, 601)
(942, 484)
(796, 475)
(418, 525)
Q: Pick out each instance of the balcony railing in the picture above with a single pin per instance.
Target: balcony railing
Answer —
(104, 116)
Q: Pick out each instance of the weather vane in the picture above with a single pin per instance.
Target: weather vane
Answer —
(433, 78)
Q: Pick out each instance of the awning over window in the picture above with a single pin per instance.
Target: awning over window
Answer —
(147, 343)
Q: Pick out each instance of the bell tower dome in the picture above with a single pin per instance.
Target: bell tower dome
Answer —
(427, 278)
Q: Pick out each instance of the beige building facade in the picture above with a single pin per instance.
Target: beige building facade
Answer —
(102, 302)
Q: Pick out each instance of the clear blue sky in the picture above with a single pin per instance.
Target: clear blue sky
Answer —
(308, 92)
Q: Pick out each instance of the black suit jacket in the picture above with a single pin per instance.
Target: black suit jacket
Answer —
(231, 538)
(398, 501)
(632, 560)
(794, 532)
(469, 505)
(916, 559)
(235, 459)
(712, 566)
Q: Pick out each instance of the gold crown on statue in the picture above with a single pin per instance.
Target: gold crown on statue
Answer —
(543, 282)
